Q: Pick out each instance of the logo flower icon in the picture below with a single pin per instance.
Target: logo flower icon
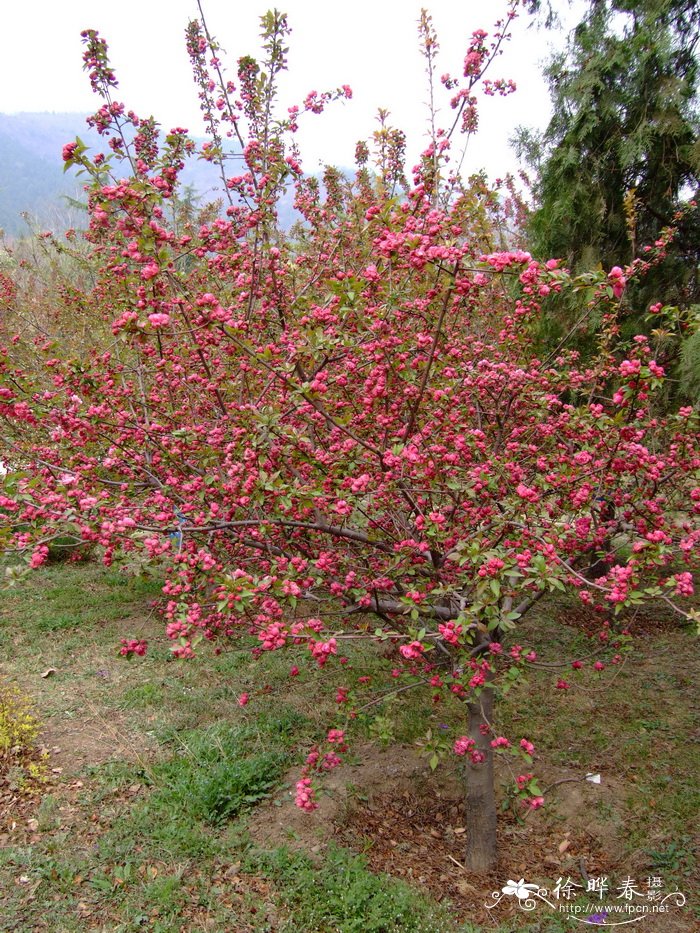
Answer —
(521, 890)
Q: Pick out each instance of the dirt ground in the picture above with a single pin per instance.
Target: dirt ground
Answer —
(388, 805)
(408, 822)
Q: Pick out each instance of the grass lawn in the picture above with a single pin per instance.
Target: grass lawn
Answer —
(166, 806)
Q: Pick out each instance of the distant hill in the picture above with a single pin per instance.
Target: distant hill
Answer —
(32, 180)
(31, 170)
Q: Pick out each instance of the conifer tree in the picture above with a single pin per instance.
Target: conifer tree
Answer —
(621, 154)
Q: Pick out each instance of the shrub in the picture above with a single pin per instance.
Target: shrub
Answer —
(344, 430)
(20, 762)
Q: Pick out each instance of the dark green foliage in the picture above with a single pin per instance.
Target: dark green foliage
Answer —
(620, 158)
(621, 153)
(210, 778)
(689, 370)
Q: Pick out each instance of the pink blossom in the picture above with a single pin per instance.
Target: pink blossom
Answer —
(617, 280)
(305, 797)
(450, 632)
(131, 646)
(150, 270)
(463, 745)
(527, 492)
(322, 650)
(342, 507)
(684, 583)
(411, 651)
(39, 556)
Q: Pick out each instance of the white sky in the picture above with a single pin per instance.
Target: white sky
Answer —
(369, 44)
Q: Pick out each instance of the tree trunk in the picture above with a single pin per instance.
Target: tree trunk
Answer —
(480, 800)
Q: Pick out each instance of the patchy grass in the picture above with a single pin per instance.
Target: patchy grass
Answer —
(342, 895)
(636, 725)
(169, 808)
(78, 596)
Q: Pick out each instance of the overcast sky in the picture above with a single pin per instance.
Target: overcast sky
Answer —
(369, 44)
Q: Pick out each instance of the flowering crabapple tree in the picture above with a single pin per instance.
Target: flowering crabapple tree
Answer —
(342, 432)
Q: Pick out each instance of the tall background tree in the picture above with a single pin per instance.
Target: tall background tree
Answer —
(621, 155)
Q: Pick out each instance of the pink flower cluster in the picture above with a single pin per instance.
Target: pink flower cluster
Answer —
(463, 745)
(683, 584)
(617, 279)
(411, 651)
(321, 651)
(305, 797)
(451, 631)
(132, 646)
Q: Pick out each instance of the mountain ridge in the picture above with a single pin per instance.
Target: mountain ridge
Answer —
(33, 185)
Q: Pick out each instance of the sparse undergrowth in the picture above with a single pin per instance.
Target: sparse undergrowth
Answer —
(159, 781)
(21, 764)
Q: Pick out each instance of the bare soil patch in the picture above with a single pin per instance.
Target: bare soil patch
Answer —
(643, 621)
(409, 823)
(90, 740)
